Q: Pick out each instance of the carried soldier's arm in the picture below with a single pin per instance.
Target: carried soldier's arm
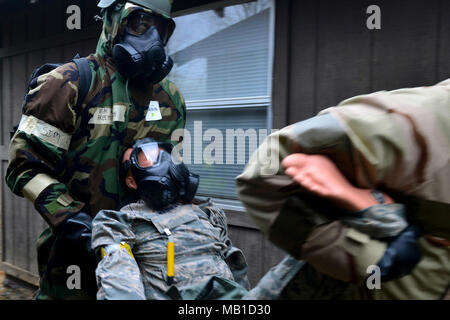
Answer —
(38, 147)
(118, 275)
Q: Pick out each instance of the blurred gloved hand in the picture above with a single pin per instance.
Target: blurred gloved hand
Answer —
(72, 246)
(402, 254)
(76, 227)
(75, 233)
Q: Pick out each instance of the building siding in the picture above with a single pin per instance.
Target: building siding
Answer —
(323, 54)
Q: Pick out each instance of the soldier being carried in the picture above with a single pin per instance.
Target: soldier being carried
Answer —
(160, 245)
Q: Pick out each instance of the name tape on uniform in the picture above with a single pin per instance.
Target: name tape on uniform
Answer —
(107, 115)
(44, 131)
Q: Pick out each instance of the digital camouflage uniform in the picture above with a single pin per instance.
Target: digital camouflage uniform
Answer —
(134, 266)
(207, 265)
(66, 158)
(397, 142)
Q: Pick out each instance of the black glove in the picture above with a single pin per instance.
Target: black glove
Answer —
(72, 246)
(76, 231)
(402, 254)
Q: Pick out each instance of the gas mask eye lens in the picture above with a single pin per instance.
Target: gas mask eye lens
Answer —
(140, 22)
(161, 181)
(150, 154)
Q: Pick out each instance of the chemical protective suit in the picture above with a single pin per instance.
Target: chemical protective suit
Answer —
(397, 142)
(65, 155)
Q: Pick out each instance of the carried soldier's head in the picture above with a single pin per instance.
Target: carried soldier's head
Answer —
(134, 35)
(149, 169)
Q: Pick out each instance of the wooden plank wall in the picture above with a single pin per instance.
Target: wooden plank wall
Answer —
(25, 35)
(324, 52)
(31, 37)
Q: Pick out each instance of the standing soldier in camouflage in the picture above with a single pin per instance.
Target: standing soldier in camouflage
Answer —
(65, 155)
(391, 147)
(160, 245)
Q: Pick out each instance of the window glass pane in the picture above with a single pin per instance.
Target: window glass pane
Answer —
(217, 155)
(222, 53)
(222, 68)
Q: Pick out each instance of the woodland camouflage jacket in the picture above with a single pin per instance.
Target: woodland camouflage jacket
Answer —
(65, 158)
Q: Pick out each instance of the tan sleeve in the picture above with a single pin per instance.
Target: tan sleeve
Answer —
(342, 252)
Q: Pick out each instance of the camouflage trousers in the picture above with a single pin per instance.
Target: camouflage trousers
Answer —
(59, 264)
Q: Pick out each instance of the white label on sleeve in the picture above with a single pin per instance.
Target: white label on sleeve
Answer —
(44, 131)
(153, 112)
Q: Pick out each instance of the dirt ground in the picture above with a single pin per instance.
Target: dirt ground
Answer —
(14, 290)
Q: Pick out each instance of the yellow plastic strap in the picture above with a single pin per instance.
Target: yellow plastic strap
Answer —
(103, 253)
(126, 246)
(113, 247)
(170, 255)
(170, 258)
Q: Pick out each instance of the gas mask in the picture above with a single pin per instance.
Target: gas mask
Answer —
(160, 181)
(141, 55)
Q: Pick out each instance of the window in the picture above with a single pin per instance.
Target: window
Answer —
(223, 66)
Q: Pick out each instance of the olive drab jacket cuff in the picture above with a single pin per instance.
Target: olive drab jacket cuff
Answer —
(55, 204)
(36, 185)
(341, 252)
